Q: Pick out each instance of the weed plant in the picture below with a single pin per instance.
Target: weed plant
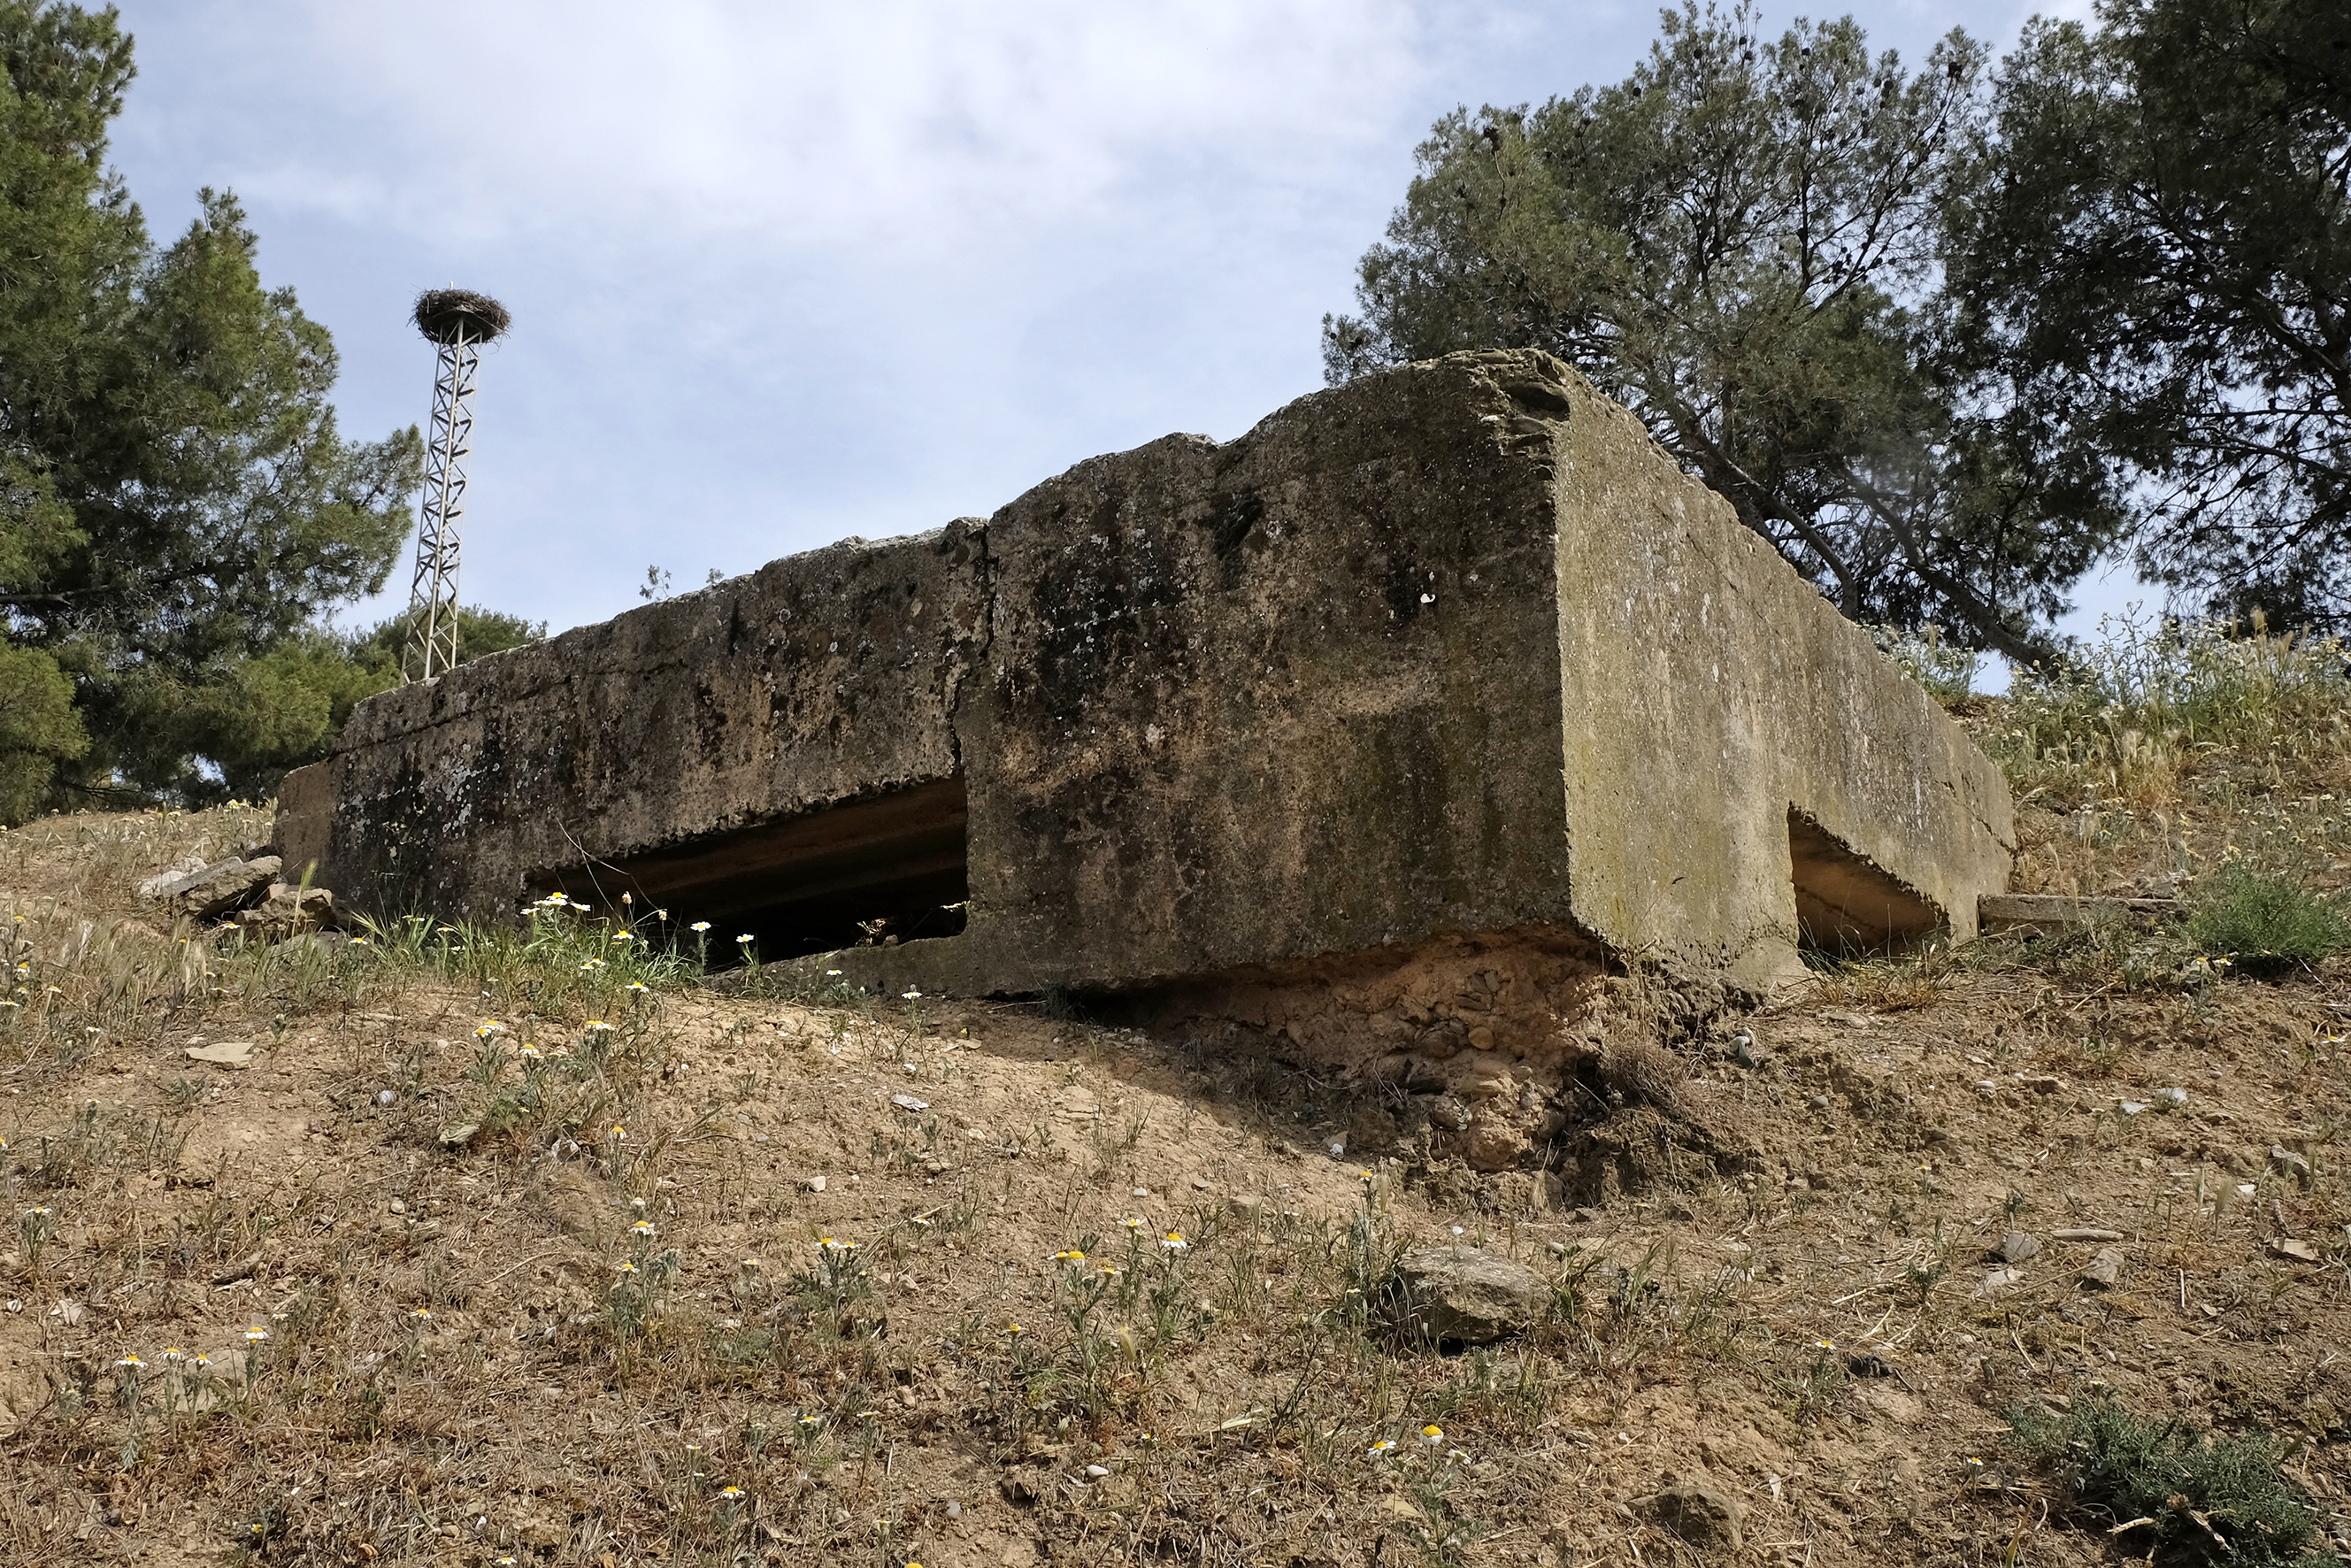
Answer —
(1947, 670)
(2191, 1496)
(2121, 718)
(2266, 923)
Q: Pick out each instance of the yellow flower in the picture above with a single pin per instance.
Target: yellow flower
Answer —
(1381, 1448)
(1174, 1242)
(699, 926)
(1432, 1433)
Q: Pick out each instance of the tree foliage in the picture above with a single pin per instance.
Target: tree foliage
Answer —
(1943, 338)
(1738, 242)
(178, 510)
(2160, 240)
(256, 717)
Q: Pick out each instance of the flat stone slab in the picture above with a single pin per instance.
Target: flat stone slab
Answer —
(2060, 912)
(224, 1053)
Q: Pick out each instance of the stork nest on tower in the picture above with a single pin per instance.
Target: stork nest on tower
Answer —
(447, 315)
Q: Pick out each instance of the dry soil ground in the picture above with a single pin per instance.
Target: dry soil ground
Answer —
(749, 1278)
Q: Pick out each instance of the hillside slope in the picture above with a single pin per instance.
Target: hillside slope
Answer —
(552, 1268)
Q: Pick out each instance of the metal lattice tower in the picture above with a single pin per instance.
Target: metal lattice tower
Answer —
(459, 323)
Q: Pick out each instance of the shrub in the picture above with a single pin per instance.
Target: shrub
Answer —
(1947, 670)
(2205, 1498)
(2266, 923)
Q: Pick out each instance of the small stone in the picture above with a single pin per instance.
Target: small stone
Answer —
(1817, 1103)
(387, 1097)
(1497, 1146)
(908, 1102)
(2172, 1096)
(1097, 1471)
(2086, 1233)
(154, 886)
(816, 1184)
(226, 1053)
(1701, 1515)
(458, 1136)
(1200, 1184)
(2131, 1107)
(1997, 1280)
(2292, 1164)
(1249, 1206)
(1462, 1295)
(2300, 1251)
(2017, 1246)
(2104, 1269)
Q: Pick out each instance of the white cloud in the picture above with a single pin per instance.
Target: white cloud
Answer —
(921, 128)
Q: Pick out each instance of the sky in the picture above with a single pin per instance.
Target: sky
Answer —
(782, 273)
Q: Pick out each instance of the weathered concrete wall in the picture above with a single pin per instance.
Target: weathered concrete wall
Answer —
(1708, 693)
(1448, 657)
(1291, 695)
(824, 678)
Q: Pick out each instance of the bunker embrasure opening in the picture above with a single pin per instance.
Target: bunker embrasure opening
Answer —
(882, 870)
(1845, 906)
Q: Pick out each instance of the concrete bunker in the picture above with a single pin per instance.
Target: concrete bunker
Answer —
(1381, 731)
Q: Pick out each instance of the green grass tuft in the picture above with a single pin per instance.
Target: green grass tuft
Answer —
(2206, 1499)
(2263, 921)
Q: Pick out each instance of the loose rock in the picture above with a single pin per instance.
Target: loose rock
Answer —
(1496, 1145)
(1462, 1295)
(219, 887)
(2104, 1269)
(226, 1053)
(2017, 1246)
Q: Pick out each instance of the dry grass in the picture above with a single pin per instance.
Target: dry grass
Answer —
(459, 1368)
